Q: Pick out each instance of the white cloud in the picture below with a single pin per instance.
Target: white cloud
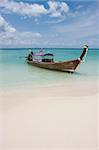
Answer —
(56, 9)
(19, 39)
(9, 36)
(64, 7)
(23, 8)
(5, 26)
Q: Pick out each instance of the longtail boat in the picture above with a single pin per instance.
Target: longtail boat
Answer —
(47, 61)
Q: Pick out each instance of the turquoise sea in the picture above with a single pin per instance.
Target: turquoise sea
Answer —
(15, 72)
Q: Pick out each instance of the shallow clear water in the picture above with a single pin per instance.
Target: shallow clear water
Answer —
(14, 71)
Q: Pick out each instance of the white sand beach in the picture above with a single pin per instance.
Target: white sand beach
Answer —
(55, 117)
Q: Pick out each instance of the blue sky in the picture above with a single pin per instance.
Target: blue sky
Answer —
(49, 23)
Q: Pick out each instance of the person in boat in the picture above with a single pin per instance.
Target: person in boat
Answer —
(30, 56)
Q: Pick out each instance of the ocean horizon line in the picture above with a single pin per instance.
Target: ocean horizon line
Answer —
(14, 48)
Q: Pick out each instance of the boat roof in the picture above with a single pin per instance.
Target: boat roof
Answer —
(41, 54)
(38, 54)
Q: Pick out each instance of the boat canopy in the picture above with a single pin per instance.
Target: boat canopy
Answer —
(38, 54)
(48, 54)
(43, 57)
(41, 54)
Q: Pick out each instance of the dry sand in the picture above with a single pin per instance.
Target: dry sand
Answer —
(55, 117)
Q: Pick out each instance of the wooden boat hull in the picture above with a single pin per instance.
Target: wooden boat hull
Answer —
(66, 66)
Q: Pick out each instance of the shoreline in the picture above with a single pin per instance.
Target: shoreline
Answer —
(69, 88)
